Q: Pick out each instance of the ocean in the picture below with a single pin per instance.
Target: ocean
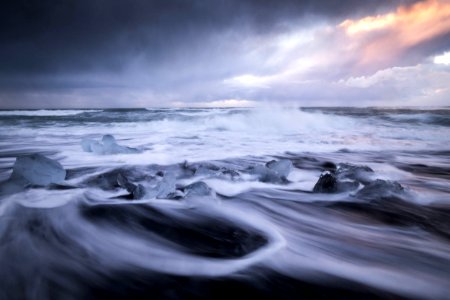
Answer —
(195, 204)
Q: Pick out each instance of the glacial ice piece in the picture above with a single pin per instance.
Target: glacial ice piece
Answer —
(206, 170)
(166, 186)
(37, 169)
(108, 140)
(97, 148)
(198, 189)
(123, 182)
(265, 174)
(274, 171)
(348, 185)
(108, 145)
(136, 191)
(379, 189)
(361, 174)
(12, 186)
(210, 170)
(229, 174)
(282, 167)
(90, 145)
(34, 169)
(86, 144)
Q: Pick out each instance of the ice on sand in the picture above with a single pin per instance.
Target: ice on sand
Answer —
(34, 169)
(274, 171)
(282, 167)
(166, 186)
(108, 145)
(38, 170)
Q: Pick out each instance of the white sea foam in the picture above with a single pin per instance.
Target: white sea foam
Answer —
(219, 134)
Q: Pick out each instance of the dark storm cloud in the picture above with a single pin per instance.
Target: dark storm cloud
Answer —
(37, 37)
(169, 50)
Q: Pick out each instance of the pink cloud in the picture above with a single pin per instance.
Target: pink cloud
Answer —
(384, 38)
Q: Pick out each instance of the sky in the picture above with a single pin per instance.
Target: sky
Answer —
(215, 53)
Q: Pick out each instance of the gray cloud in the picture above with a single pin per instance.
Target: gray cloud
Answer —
(154, 51)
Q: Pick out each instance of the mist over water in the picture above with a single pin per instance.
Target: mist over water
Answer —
(247, 236)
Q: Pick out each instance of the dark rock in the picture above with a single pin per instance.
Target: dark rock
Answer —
(327, 183)
(343, 178)
(329, 166)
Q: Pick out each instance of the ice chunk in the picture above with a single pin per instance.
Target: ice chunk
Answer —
(282, 167)
(37, 169)
(362, 174)
(198, 189)
(166, 186)
(199, 194)
(123, 182)
(265, 174)
(97, 148)
(108, 140)
(379, 189)
(111, 147)
(273, 171)
(206, 170)
(12, 186)
(136, 191)
(107, 146)
(89, 145)
(86, 144)
(230, 174)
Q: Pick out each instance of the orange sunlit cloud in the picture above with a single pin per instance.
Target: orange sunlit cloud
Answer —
(385, 37)
(368, 23)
